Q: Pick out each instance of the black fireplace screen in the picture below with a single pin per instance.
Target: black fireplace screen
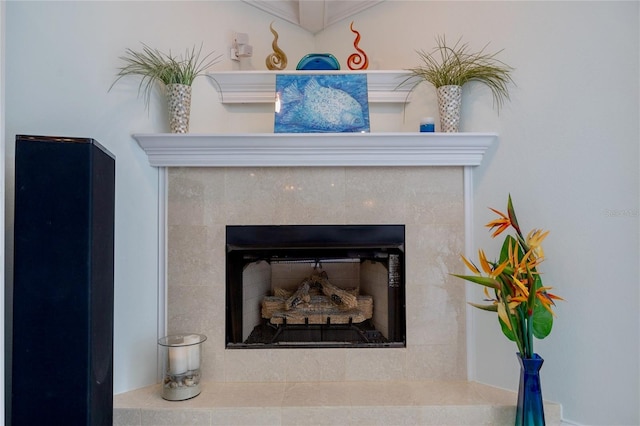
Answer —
(315, 286)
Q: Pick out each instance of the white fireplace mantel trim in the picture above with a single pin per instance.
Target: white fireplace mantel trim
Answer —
(315, 149)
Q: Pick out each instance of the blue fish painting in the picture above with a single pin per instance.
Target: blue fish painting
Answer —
(318, 103)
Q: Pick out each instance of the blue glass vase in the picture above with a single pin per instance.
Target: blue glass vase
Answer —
(530, 411)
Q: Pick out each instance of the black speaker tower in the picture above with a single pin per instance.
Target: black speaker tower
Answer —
(62, 337)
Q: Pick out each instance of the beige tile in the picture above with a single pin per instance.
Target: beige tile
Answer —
(196, 196)
(251, 394)
(127, 417)
(175, 417)
(436, 362)
(465, 416)
(375, 195)
(385, 416)
(248, 416)
(144, 397)
(318, 394)
(256, 365)
(186, 199)
(449, 392)
(427, 200)
(194, 309)
(315, 416)
(486, 394)
(195, 255)
(379, 364)
(250, 194)
(214, 366)
(433, 196)
(336, 403)
(324, 365)
(311, 195)
(378, 394)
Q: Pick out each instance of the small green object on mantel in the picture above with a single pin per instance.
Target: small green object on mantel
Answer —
(318, 61)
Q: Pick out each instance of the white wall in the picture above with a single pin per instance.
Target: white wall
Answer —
(567, 152)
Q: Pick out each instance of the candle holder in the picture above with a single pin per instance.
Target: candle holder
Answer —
(181, 360)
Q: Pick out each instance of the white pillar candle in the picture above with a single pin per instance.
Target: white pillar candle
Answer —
(178, 360)
(193, 351)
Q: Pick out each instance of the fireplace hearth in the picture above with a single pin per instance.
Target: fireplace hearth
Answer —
(315, 286)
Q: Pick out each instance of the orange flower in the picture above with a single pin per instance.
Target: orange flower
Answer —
(522, 286)
(527, 264)
(491, 271)
(547, 298)
(470, 265)
(534, 241)
(502, 223)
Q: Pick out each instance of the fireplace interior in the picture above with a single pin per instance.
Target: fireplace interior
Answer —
(315, 286)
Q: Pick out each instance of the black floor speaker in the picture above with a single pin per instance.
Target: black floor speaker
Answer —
(62, 337)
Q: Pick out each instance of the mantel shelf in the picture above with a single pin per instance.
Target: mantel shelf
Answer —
(254, 87)
(315, 149)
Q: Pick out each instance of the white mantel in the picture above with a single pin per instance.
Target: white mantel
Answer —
(259, 87)
(315, 149)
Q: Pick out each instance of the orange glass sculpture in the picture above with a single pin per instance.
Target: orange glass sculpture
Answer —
(277, 60)
(357, 61)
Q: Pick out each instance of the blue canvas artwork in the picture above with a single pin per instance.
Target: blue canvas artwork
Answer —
(317, 103)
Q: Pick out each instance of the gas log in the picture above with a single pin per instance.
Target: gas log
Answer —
(317, 301)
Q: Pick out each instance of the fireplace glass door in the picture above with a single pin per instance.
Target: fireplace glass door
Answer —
(315, 286)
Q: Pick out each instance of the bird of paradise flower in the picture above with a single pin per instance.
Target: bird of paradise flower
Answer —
(524, 306)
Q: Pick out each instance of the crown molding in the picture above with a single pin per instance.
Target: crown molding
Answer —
(313, 15)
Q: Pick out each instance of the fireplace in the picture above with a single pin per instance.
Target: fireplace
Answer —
(315, 286)
(203, 202)
(420, 181)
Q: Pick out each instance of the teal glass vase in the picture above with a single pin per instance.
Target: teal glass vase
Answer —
(530, 410)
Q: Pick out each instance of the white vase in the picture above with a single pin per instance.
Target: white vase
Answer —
(449, 102)
(179, 101)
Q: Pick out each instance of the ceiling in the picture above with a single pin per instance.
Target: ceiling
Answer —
(313, 15)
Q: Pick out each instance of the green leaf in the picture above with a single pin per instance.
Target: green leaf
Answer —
(532, 301)
(485, 281)
(505, 330)
(490, 308)
(512, 216)
(542, 321)
(504, 251)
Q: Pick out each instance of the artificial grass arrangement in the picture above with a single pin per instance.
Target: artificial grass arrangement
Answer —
(456, 65)
(155, 66)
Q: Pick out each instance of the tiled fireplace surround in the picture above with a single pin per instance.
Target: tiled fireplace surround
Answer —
(414, 184)
(428, 201)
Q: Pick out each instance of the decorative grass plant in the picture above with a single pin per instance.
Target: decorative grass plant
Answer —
(456, 65)
(155, 66)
